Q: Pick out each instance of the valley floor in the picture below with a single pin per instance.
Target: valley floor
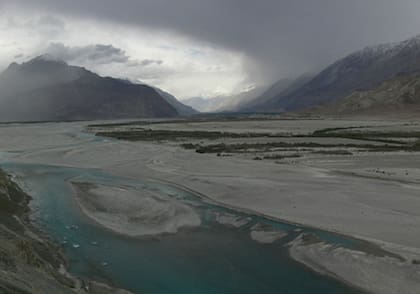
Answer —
(371, 194)
(367, 186)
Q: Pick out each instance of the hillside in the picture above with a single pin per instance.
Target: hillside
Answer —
(182, 109)
(45, 89)
(361, 71)
(282, 87)
(29, 262)
(397, 96)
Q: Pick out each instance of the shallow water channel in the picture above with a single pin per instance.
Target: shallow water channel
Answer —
(211, 258)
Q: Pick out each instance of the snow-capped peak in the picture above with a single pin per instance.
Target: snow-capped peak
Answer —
(389, 49)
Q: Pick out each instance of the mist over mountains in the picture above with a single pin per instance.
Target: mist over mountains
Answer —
(374, 78)
(227, 103)
(44, 89)
(361, 71)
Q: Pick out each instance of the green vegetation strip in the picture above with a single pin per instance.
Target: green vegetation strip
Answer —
(166, 135)
(267, 147)
(389, 144)
(376, 136)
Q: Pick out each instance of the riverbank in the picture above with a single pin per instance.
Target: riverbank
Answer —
(371, 195)
(316, 190)
(230, 260)
(29, 261)
(369, 268)
(372, 273)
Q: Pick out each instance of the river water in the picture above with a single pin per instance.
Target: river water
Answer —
(213, 258)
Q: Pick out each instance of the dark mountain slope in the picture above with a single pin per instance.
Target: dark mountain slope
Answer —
(360, 71)
(183, 110)
(397, 96)
(45, 89)
(283, 87)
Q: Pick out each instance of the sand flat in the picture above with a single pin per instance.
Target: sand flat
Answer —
(311, 193)
(132, 212)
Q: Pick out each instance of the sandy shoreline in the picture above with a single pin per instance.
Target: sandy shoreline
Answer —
(31, 260)
(337, 262)
(379, 275)
(311, 193)
(410, 253)
(337, 194)
(207, 189)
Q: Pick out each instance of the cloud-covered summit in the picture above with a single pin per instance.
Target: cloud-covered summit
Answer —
(98, 53)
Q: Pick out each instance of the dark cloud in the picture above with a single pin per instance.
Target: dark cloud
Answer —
(96, 54)
(100, 56)
(280, 37)
(51, 22)
(147, 62)
(47, 25)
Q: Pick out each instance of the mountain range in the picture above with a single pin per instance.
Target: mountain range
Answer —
(360, 72)
(373, 80)
(181, 108)
(45, 89)
(264, 101)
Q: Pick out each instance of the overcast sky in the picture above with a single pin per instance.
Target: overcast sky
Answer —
(201, 47)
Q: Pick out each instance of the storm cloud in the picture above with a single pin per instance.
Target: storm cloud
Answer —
(98, 53)
(279, 38)
(279, 33)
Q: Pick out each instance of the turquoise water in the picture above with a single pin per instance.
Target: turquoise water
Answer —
(210, 259)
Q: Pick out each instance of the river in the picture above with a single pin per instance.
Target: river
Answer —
(211, 258)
